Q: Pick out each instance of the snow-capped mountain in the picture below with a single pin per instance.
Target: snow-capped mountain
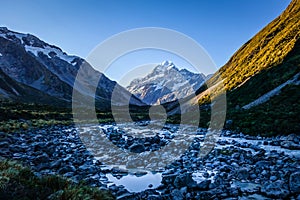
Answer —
(166, 83)
(29, 61)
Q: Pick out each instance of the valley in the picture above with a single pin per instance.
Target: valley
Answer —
(67, 131)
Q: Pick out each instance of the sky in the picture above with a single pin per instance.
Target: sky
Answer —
(77, 27)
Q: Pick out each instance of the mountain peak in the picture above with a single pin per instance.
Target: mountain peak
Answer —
(166, 83)
(167, 63)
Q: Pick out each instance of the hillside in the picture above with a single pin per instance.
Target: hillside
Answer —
(266, 49)
(261, 81)
(270, 59)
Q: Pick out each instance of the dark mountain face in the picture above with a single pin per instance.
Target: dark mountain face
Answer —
(24, 68)
(13, 90)
(46, 68)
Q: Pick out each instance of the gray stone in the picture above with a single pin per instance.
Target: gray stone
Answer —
(242, 173)
(290, 145)
(203, 185)
(55, 164)
(44, 158)
(183, 180)
(69, 168)
(275, 189)
(88, 169)
(177, 195)
(42, 166)
(137, 148)
(294, 182)
(273, 178)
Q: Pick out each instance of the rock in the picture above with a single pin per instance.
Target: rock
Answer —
(242, 173)
(273, 178)
(140, 173)
(125, 196)
(274, 143)
(42, 166)
(294, 182)
(275, 189)
(137, 148)
(38, 146)
(68, 168)
(88, 169)
(115, 136)
(50, 149)
(4, 144)
(263, 164)
(177, 195)
(228, 123)
(55, 164)
(183, 180)
(203, 185)
(225, 168)
(205, 175)
(168, 179)
(44, 158)
(69, 174)
(293, 137)
(156, 139)
(255, 147)
(290, 145)
(253, 176)
(119, 171)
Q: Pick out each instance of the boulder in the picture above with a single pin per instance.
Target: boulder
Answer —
(183, 180)
(290, 145)
(242, 173)
(275, 189)
(294, 182)
(137, 148)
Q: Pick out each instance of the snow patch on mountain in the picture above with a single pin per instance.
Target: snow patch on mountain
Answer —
(51, 52)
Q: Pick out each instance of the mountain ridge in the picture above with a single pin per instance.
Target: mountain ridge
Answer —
(39, 65)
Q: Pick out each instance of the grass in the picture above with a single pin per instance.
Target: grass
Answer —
(279, 116)
(19, 182)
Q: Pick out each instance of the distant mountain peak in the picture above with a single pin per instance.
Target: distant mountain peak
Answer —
(166, 83)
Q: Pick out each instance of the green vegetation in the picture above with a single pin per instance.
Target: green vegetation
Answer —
(280, 115)
(19, 182)
(21, 116)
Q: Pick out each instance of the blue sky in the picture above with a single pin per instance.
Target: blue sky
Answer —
(221, 27)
